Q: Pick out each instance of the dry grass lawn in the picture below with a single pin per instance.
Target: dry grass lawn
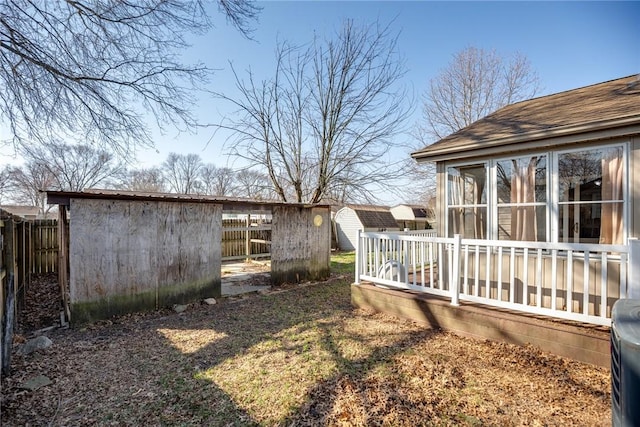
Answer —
(296, 357)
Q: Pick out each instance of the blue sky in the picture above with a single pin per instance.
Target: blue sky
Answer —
(569, 45)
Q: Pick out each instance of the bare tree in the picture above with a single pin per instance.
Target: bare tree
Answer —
(5, 184)
(94, 70)
(182, 173)
(27, 184)
(76, 167)
(217, 181)
(254, 185)
(327, 118)
(476, 83)
(148, 180)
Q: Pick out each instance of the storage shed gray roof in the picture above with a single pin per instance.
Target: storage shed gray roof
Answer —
(611, 108)
(375, 218)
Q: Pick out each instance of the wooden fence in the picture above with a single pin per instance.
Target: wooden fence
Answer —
(26, 247)
(245, 238)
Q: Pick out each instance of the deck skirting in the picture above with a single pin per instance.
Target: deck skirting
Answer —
(585, 343)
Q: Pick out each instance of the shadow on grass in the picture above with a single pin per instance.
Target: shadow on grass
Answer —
(269, 355)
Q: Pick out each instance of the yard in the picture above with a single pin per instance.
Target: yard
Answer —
(298, 355)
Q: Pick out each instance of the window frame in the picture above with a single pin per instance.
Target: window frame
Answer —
(557, 204)
(494, 202)
(488, 191)
(552, 203)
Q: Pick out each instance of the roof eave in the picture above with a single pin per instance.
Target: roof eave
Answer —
(568, 134)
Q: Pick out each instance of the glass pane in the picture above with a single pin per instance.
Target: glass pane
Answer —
(470, 223)
(524, 223)
(591, 175)
(467, 185)
(590, 223)
(522, 180)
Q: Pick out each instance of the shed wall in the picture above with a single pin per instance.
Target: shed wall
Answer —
(133, 255)
(300, 244)
(347, 226)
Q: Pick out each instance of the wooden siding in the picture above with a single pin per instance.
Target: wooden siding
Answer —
(301, 244)
(131, 255)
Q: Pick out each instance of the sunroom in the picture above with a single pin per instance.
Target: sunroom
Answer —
(537, 209)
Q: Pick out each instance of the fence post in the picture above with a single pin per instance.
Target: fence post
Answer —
(633, 284)
(358, 255)
(247, 236)
(454, 278)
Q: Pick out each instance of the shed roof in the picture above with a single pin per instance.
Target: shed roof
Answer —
(416, 212)
(21, 210)
(228, 203)
(375, 217)
(612, 106)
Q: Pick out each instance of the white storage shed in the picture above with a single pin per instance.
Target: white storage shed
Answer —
(350, 219)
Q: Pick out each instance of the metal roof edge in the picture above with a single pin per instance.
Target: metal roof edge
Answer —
(64, 198)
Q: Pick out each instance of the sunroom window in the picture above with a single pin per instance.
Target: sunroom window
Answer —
(467, 201)
(522, 198)
(591, 201)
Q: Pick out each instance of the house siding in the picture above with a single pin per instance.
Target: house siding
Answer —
(634, 186)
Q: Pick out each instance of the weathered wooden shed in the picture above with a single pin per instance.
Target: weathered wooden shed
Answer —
(352, 218)
(128, 252)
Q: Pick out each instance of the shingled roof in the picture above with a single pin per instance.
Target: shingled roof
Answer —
(605, 106)
(372, 217)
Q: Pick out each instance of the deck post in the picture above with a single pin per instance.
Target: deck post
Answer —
(358, 255)
(454, 277)
(633, 284)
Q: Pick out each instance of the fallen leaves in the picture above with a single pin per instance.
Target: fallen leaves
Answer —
(302, 356)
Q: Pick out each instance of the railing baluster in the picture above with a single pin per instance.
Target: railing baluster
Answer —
(407, 264)
(440, 263)
(554, 278)
(525, 277)
(512, 275)
(539, 279)
(500, 273)
(422, 263)
(466, 269)
(603, 284)
(431, 264)
(569, 301)
(413, 260)
(487, 273)
(623, 275)
(476, 290)
(585, 287)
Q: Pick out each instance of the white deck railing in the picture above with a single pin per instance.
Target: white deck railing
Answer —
(570, 281)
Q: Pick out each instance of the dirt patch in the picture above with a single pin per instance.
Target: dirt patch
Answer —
(300, 355)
